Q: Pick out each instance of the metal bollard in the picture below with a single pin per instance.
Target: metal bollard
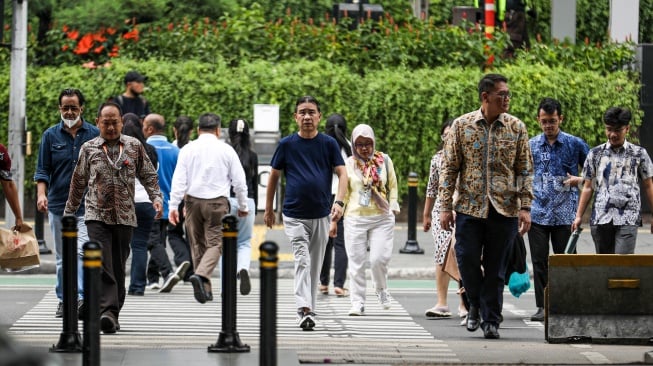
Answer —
(69, 340)
(229, 340)
(268, 342)
(412, 246)
(92, 284)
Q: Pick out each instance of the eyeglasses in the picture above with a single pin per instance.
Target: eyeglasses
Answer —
(364, 146)
(72, 108)
(504, 95)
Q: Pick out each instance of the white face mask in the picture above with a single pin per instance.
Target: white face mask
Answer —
(70, 122)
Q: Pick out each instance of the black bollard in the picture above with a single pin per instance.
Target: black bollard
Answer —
(268, 343)
(229, 340)
(69, 340)
(92, 284)
(38, 231)
(412, 246)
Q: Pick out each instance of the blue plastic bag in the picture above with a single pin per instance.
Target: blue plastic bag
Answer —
(518, 283)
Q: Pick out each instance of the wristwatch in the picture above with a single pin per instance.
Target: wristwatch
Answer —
(526, 209)
(340, 203)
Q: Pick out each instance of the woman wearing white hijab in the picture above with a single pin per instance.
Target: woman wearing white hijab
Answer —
(371, 205)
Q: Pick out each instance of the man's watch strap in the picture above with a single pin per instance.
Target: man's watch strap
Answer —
(526, 209)
(340, 203)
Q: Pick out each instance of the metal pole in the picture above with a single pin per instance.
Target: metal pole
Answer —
(268, 268)
(229, 340)
(92, 284)
(411, 246)
(69, 340)
(17, 86)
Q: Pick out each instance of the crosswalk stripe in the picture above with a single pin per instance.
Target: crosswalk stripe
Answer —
(176, 320)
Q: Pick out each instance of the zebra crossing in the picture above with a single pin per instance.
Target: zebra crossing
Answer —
(176, 321)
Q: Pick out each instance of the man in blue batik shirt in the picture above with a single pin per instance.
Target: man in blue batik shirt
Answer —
(557, 157)
(58, 154)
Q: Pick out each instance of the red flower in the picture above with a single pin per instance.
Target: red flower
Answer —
(99, 36)
(84, 44)
(133, 34)
(111, 31)
(171, 26)
(114, 51)
(65, 28)
(99, 49)
(64, 47)
(72, 35)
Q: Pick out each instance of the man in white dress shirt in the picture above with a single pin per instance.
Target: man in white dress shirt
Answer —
(206, 170)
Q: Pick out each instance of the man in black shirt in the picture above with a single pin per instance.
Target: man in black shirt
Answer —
(132, 100)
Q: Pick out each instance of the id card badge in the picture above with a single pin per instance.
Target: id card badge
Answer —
(365, 195)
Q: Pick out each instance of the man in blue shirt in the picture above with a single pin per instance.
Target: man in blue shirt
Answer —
(308, 160)
(557, 157)
(58, 154)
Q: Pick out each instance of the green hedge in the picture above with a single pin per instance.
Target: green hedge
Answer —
(405, 107)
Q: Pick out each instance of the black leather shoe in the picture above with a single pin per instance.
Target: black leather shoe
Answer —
(107, 324)
(209, 296)
(490, 331)
(473, 319)
(198, 288)
(538, 316)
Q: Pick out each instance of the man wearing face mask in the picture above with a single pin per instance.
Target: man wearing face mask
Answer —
(58, 154)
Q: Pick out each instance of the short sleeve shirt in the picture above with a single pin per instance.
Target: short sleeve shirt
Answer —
(308, 167)
(616, 174)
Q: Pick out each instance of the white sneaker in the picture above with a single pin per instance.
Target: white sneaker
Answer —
(357, 310)
(307, 321)
(384, 299)
(153, 285)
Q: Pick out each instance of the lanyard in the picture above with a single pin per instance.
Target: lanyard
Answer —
(113, 164)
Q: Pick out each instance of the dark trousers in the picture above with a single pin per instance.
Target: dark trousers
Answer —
(144, 217)
(486, 243)
(538, 241)
(180, 247)
(336, 245)
(114, 240)
(159, 262)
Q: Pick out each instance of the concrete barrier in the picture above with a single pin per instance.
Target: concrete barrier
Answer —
(600, 299)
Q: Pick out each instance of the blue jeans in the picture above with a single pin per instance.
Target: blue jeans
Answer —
(486, 243)
(245, 229)
(82, 237)
(144, 217)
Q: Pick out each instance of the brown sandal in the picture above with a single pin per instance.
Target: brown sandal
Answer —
(324, 289)
(341, 292)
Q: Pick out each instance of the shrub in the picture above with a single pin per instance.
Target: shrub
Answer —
(405, 107)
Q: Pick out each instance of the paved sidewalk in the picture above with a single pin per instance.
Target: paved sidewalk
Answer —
(402, 266)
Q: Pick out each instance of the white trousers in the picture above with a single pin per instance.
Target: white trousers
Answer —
(378, 233)
(308, 238)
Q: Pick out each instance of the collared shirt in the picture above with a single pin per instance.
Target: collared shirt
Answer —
(57, 158)
(494, 163)
(167, 154)
(109, 173)
(207, 168)
(554, 203)
(615, 175)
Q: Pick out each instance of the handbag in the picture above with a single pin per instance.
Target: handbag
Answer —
(19, 249)
(518, 283)
(450, 265)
